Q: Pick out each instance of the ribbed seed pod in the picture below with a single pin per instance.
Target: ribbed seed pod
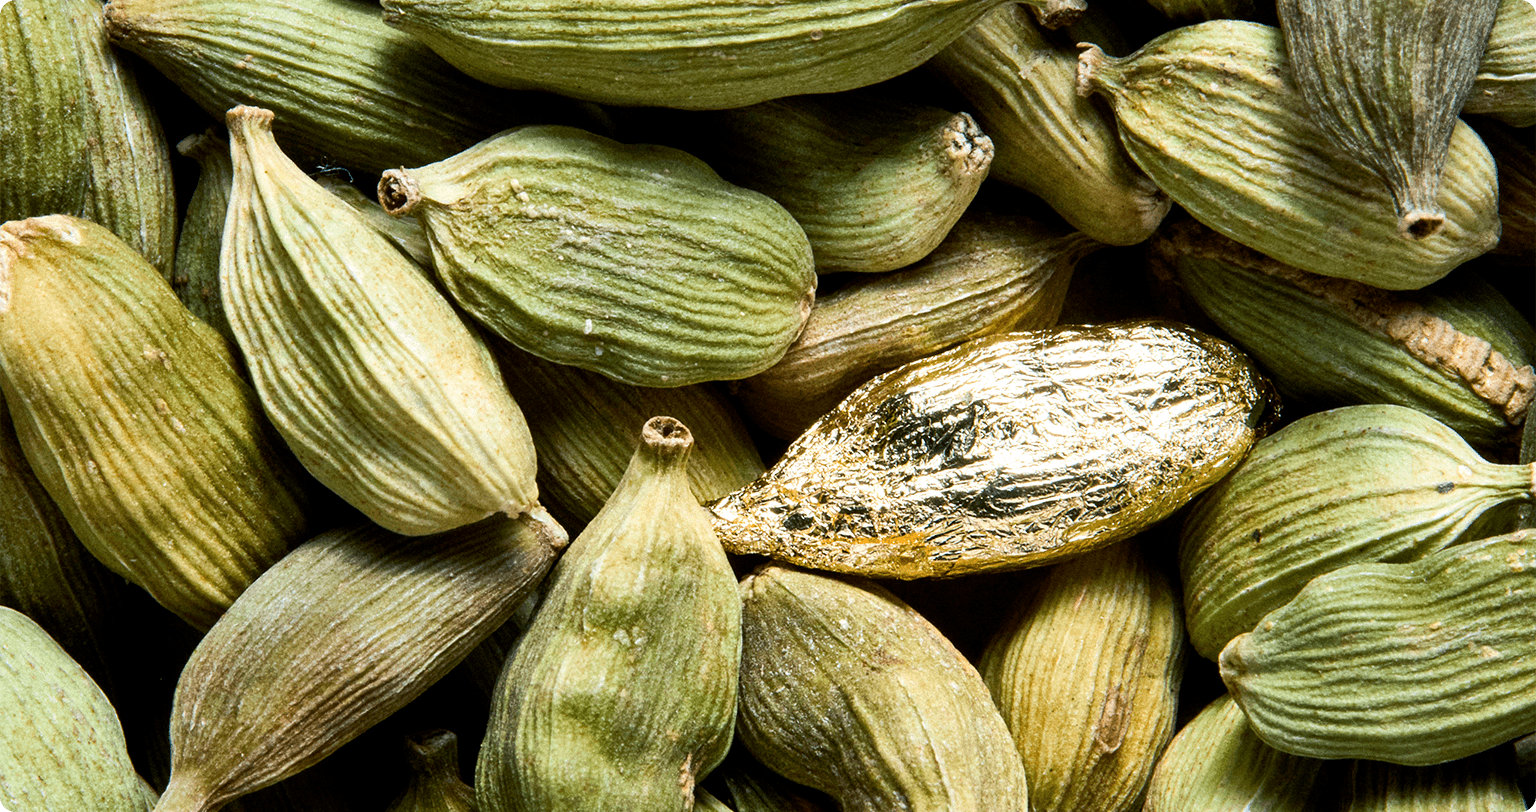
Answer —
(196, 278)
(403, 231)
(1505, 87)
(1481, 783)
(704, 802)
(1456, 350)
(1384, 80)
(132, 415)
(623, 691)
(1413, 663)
(76, 134)
(992, 274)
(344, 631)
(1212, 114)
(1006, 452)
(846, 689)
(1086, 674)
(670, 53)
(584, 425)
(1048, 140)
(62, 748)
(434, 784)
(1356, 484)
(390, 400)
(638, 262)
(1218, 764)
(1515, 154)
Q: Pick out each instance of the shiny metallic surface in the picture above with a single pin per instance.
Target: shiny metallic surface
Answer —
(1006, 452)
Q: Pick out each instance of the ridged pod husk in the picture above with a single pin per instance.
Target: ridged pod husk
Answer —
(1211, 112)
(584, 426)
(623, 691)
(1086, 673)
(403, 232)
(993, 273)
(384, 393)
(1049, 140)
(1355, 484)
(1385, 80)
(1006, 452)
(196, 278)
(434, 785)
(1217, 764)
(1485, 782)
(1514, 151)
(341, 633)
(76, 134)
(705, 802)
(671, 53)
(62, 748)
(1505, 87)
(846, 689)
(1457, 350)
(1415, 663)
(132, 415)
(638, 262)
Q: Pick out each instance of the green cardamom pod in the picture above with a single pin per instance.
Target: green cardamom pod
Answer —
(1211, 112)
(704, 802)
(1484, 782)
(1006, 452)
(1505, 87)
(638, 262)
(390, 400)
(623, 691)
(1515, 154)
(434, 784)
(403, 231)
(196, 278)
(1414, 664)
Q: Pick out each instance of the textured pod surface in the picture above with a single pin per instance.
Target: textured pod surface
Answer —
(623, 692)
(196, 277)
(63, 749)
(846, 689)
(1485, 782)
(1413, 663)
(384, 393)
(132, 415)
(637, 262)
(673, 53)
(1505, 87)
(1005, 452)
(1515, 154)
(1049, 140)
(434, 786)
(1355, 484)
(1212, 114)
(344, 631)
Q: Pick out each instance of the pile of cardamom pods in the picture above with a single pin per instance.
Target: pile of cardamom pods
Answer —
(844, 405)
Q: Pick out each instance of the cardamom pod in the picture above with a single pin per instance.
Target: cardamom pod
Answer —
(623, 691)
(403, 231)
(196, 277)
(1006, 452)
(434, 785)
(1505, 87)
(1211, 112)
(1515, 155)
(704, 802)
(1355, 484)
(637, 262)
(1414, 664)
(392, 401)
(1484, 782)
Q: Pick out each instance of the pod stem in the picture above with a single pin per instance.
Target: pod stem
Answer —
(1089, 63)
(398, 193)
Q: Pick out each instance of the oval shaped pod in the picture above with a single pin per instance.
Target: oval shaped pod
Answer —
(1485, 782)
(623, 691)
(344, 631)
(1415, 663)
(637, 262)
(1355, 484)
(1505, 87)
(1212, 114)
(846, 689)
(196, 277)
(1006, 452)
(391, 400)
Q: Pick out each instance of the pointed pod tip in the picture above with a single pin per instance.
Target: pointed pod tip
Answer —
(245, 118)
(398, 192)
(1091, 59)
(666, 436)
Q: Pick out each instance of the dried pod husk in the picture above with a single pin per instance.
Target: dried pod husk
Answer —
(390, 399)
(1505, 87)
(344, 631)
(1049, 140)
(1086, 673)
(1217, 764)
(638, 262)
(637, 53)
(1212, 114)
(1414, 663)
(113, 386)
(1457, 350)
(403, 231)
(623, 691)
(1485, 782)
(196, 278)
(434, 784)
(63, 749)
(1006, 452)
(1385, 82)
(846, 689)
(77, 135)
(992, 274)
(584, 427)
(1514, 151)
